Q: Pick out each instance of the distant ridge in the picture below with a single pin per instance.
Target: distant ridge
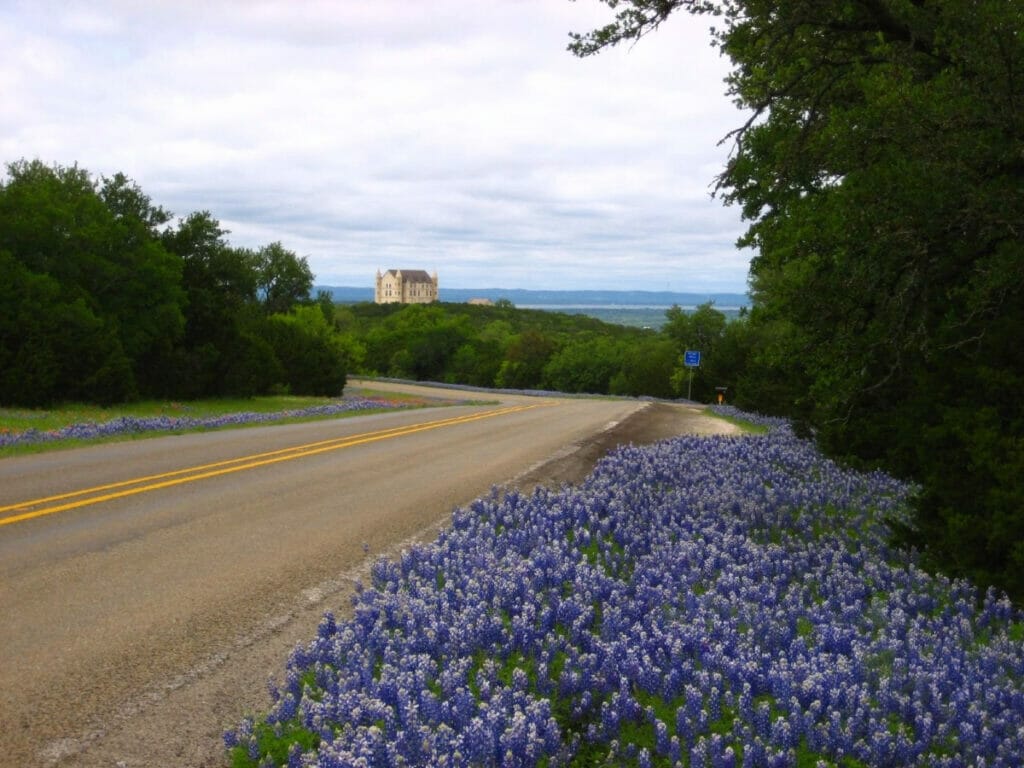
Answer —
(521, 296)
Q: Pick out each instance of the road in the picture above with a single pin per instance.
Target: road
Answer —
(149, 589)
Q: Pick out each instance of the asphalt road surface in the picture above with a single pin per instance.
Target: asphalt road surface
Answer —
(149, 589)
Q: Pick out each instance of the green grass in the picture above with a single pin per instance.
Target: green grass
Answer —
(15, 420)
(19, 420)
(1016, 632)
(275, 742)
(746, 426)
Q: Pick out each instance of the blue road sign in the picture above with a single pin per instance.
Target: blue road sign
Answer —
(692, 358)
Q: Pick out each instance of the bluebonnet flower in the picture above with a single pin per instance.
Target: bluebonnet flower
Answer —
(744, 586)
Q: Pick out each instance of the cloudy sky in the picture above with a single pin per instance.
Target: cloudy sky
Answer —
(456, 135)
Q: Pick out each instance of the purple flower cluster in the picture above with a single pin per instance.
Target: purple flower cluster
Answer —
(128, 425)
(705, 602)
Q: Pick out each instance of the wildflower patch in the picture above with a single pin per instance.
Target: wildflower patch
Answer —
(137, 425)
(704, 602)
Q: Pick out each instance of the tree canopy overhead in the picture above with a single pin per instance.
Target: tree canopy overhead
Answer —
(881, 172)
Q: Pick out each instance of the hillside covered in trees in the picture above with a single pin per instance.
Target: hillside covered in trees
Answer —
(505, 347)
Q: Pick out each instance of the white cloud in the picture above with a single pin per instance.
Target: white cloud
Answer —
(454, 135)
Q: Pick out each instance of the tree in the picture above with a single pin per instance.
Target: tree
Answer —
(98, 243)
(416, 340)
(887, 250)
(104, 299)
(128, 203)
(584, 365)
(525, 358)
(701, 331)
(325, 301)
(312, 358)
(48, 222)
(283, 279)
(53, 348)
(220, 283)
(144, 291)
(647, 369)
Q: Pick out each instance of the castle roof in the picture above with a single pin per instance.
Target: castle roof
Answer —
(412, 275)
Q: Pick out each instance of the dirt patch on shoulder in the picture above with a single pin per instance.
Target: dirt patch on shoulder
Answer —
(650, 424)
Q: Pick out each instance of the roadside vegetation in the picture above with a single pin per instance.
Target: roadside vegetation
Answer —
(24, 431)
(509, 348)
(880, 173)
(707, 602)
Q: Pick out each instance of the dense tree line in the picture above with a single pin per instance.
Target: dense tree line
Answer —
(882, 173)
(501, 346)
(105, 297)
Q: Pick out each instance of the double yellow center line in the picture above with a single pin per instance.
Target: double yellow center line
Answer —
(28, 510)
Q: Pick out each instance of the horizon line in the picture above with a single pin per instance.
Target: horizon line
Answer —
(735, 292)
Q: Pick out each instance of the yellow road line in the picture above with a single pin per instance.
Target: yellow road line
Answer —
(280, 451)
(215, 469)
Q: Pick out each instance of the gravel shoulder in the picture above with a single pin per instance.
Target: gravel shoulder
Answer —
(656, 421)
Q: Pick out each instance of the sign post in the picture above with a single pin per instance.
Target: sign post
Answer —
(691, 359)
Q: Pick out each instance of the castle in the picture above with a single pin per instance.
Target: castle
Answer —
(408, 286)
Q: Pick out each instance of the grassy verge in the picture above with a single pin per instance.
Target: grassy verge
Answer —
(15, 421)
(747, 426)
(19, 419)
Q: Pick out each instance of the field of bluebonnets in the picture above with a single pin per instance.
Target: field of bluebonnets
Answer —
(705, 602)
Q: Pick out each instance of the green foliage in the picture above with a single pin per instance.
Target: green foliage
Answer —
(252, 366)
(309, 352)
(274, 742)
(501, 346)
(880, 173)
(52, 347)
(647, 369)
(724, 346)
(93, 246)
(104, 300)
(282, 278)
(586, 364)
(525, 358)
(633, 20)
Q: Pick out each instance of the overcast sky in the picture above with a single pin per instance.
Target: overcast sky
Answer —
(450, 135)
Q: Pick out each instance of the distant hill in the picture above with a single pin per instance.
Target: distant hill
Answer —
(523, 297)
